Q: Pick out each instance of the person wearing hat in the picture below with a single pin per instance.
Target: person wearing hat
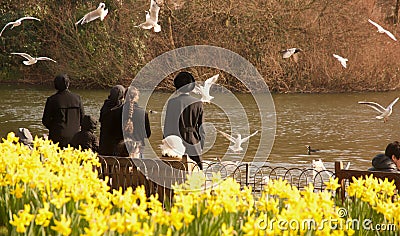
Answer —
(63, 113)
(172, 146)
(184, 117)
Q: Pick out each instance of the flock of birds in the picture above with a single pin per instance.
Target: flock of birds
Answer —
(99, 13)
(292, 52)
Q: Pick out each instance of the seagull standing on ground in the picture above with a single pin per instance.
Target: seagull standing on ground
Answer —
(342, 60)
(100, 12)
(205, 90)
(382, 30)
(385, 112)
(17, 22)
(237, 142)
(32, 60)
(291, 52)
(152, 18)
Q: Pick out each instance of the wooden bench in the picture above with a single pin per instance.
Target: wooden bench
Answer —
(156, 175)
(343, 175)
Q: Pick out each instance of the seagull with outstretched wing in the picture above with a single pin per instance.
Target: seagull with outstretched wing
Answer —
(238, 141)
(17, 22)
(32, 60)
(204, 91)
(152, 18)
(342, 60)
(100, 12)
(385, 112)
(382, 30)
(291, 52)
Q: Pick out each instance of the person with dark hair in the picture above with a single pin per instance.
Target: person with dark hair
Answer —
(184, 117)
(388, 162)
(111, 121)
(63, 113)
(86, 138)
(137, 125)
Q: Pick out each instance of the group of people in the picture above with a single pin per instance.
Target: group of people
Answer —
(122, 132)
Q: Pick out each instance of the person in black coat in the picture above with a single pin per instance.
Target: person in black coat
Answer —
(63, 113)
(137, 125)
(184, 117)
(388, 162)
(86, 137)
(111, 121)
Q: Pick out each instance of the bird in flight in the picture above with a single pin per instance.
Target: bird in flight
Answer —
(32, 60)
(384, 112)
(100, 12)
(342, 60)
(238, 141)
(204, 91)
(18, 22)
(382, 30)
(291, 52)
(152, 18)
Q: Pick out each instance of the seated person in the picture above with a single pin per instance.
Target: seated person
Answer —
(25, 137)
(124, 145)
(172, 146)
(388, 162)
(86, 137)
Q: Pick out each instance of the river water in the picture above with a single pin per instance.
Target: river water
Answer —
(335, 124)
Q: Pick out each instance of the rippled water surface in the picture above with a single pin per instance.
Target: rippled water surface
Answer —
(334, 123)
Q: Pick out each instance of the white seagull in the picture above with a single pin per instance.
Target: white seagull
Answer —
(18, 22)
(382, 30)
(342, 60)
(291, 52)
(152, 18)
(205, 90)
(385, 112)
(237, 142)
(100, 12)
(32, 60)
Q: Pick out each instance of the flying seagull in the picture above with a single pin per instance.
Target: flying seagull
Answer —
(32, 60)
(152, 18)
(382, 30)
(342, 60)
(237, 142)
(385, 112)
(205, 90)
(93, 15)
(291, 52)
(18, 22)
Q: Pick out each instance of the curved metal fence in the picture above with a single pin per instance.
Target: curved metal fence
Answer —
(158, 175)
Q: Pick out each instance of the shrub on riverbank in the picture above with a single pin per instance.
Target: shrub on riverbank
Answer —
(113, 51)
(48, 191)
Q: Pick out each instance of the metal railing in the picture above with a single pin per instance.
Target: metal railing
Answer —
(158, 175)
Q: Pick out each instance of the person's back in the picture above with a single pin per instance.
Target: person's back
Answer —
(184, 117)
(86, 138)
(137, 125)
(63, 113)
(111, 121)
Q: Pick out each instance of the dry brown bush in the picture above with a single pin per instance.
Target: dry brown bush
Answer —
(113, 51)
